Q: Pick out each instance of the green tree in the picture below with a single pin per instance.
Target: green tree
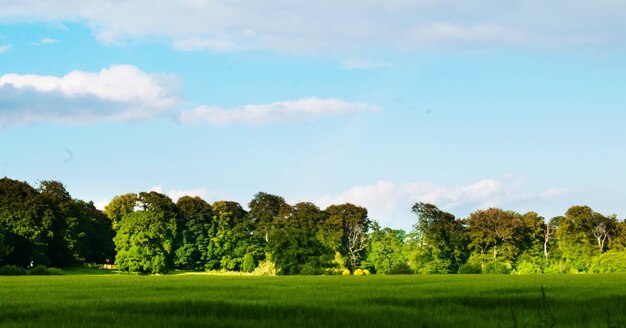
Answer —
(231, 236)
(386, 251)
(120, 206)
(345, 230)
(144, 243)
(27, 222)
(264, 209)
(196, 224)
(495, 235)
(442, 241)
(295, 245)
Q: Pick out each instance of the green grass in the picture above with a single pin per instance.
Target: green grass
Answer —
(205, 300)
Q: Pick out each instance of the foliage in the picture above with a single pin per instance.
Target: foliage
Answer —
(38, 270)
(611, 261)
(386, 252)
(12, 270)
(266, 268)
(248, 263)
(144, 243)
(196, 224)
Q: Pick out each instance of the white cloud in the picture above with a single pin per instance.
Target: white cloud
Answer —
(4, 48)
(117, 93)
(390, 203)
(276, 112)
(45, 41)
(175, 195)
(222, 25)
(360, 63)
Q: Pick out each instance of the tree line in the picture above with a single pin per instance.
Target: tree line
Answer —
(147, 232)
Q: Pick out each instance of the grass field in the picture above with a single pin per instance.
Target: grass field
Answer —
(204, 300)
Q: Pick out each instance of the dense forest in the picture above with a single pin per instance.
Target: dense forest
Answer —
(149, 233)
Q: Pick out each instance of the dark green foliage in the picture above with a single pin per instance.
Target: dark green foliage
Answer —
(38, 270)
(470, 268)
(27, 222)
(12, 270)
(295, 244)
(345, 231)
(442, 240)
(196, 218)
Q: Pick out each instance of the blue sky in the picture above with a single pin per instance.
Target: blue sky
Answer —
(378, 103)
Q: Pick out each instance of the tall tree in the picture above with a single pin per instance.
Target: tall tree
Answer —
(345, 230)
(120, 206)
(264, 209)
(294, 244)
(386, 253)
(196, 223)
(496, 232)
(144, 243)
(27, 222)
(442, 245)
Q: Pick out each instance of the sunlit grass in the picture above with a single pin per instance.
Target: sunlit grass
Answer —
(228, 300)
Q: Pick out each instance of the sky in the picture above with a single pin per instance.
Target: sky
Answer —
(467, 105)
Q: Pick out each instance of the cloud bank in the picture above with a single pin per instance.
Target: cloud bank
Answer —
(276, 112)
(295, 26)
(116, 93)
(390, 203)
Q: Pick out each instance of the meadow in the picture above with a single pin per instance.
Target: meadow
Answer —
(209, 300)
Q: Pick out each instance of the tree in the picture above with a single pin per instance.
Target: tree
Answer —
(196, 223)
(27, 222)
(264, 209)
(442, 245)
(385, 253)
(496, 232)
(231, 236)
(294, 244)
(120, 206)
(144, 243)
(346, 229)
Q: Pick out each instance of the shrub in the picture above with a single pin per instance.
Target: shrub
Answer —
(528, 267)
(266, 268)
(346, 272)
(497, 267)
(55, 272)
(470, 268)
(366, 272)
(39, 270)
(610, 261)
(12, 270)
(311, 268)
(358, 272)
(248, 263)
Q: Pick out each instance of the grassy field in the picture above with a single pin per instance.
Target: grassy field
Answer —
(204, 300)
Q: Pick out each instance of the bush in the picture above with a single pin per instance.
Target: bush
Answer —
(366, 272)
(346, 272)
(470, 268)
(610, 261)
(55, 272)
(311, 268)
(12, 270)
(248, 263)
(528, 267)
(266, 268)
(497, 267)
(358, 272)
(39, 270)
